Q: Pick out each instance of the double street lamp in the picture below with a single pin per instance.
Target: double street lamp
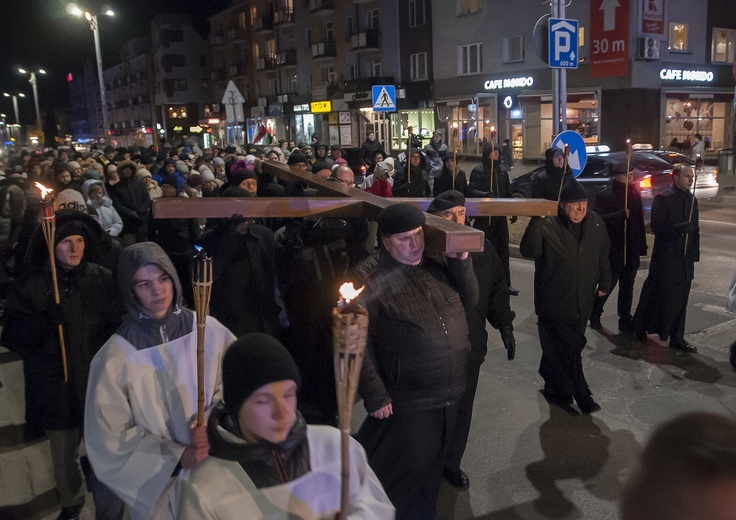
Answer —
(32, 81)
(15, 105)
(92, 19)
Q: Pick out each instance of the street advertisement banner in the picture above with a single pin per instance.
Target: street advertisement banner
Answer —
(651, 15)
(609, 38)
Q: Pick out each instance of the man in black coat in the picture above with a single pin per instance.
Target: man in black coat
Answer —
(369, 146)
(443, 182)
(493, 307)
(89, 312)
(494, 183)
(663, 299)
(413, 181)
(621, 215)
(546, 185)
(570, 253)
(415, 364)
(130, 199)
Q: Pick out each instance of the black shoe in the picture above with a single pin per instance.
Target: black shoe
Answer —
(559, 400)
(595, 322)
(589, 406)
(70, 513)
(513, 292)
(684, 346)
(457, 478)
(625, 325)
(641, 335)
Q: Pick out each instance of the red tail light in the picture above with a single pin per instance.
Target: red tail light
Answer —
(645, 182)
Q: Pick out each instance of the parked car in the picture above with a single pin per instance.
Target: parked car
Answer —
(706, 185)
(652, 175)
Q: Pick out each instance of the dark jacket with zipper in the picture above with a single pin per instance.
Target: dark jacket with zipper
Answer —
(418, 345)
(266, 464)
(570, 264)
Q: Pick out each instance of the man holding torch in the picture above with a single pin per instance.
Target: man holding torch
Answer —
(88, 312)
(414, 368)
(624, 220)
(259, 419)
(663, 299)
(142, 396)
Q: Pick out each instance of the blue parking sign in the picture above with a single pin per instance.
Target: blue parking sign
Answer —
(563, 43)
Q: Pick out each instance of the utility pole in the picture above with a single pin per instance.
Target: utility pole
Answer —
(559, 82)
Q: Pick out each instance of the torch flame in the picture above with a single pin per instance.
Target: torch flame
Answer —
(44, 190)
(348, 292)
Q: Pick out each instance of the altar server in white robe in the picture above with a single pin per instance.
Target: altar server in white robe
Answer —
(142, 393)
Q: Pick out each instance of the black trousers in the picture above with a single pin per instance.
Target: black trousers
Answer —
(662, 309)
(407, 451)
(624, 276)
(461, 432)
(497, 233)
(561, 366)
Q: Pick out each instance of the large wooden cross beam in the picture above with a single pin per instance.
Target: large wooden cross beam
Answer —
(338, 200)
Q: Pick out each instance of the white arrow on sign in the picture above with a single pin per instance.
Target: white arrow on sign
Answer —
(573, 160)
(609, 14)
(563, 31)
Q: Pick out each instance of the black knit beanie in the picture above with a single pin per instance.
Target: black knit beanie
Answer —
(400, 218)
(573, 192)
(252, 361)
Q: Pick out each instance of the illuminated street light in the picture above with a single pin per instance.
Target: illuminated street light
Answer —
(32, 81)
(92, 19)
(15, 104)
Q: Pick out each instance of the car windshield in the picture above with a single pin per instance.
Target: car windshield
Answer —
(649, 162)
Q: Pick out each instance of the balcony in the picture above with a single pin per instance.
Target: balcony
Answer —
(324, 50)
(321, 7)
(286, 58)
(263, 24)
(237, 70)
(235, 35)
(364, 41)
(284, 17)
(265, 64)
(216, 40)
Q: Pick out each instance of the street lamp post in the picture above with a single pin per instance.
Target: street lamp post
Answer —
(15, 105)
(93, 25)
(33, 82)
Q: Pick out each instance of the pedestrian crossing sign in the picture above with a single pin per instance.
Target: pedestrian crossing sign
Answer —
(384, 98)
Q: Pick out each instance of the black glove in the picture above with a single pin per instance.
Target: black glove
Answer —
(56, 315)
(683, 228)
(507, 336)
(514, 219)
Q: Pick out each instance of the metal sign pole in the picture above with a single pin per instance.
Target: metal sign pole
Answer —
(563, 78)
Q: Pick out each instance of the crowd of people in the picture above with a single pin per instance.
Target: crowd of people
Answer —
(125, 382)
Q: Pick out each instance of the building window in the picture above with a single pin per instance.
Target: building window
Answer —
(468, 7)
(310, 81)
(274, 86)
(513, 49)
(376, 69)
(309, 38)
(417, 13)
(722, 48)
(418, 64)
(293, 84)
(352, 72)
(373, 19)
(270, 48)
(256, 51)
(352, 26)
(205, 84)
(327, 32)
(469, 59)
(202, 60)
(180, 84)
(678, 37)
(253, 15)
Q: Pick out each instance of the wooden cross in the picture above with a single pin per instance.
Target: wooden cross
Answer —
(339, 200)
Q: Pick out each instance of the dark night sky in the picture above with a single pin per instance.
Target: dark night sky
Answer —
(40, 33)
